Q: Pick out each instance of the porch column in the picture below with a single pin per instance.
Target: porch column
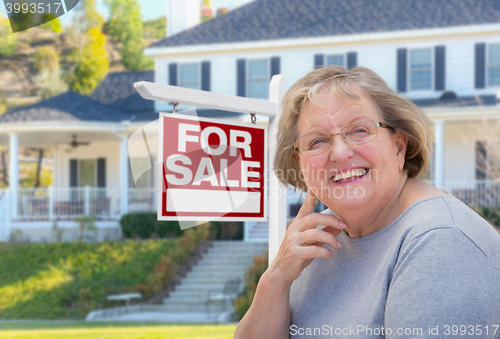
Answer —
(13, 172)
(124, 174)
(439, 154)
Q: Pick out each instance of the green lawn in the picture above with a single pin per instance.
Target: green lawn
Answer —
(84, 330)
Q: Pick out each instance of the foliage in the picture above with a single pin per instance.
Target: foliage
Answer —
(50, 83)
(490, 214)
(30, 177)
(53, 26)
(229, 230)
(92, 63)
(125, 25)
(45, 281)
(57, 232)
(87, 228)
(46, 57)
(145, 225)
(252, 277)
(155, 29)
(117, 330)
(8, 40)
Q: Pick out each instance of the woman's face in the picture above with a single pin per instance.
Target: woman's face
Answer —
(350, 176)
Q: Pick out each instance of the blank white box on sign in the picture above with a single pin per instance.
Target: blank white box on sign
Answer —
(182, 200)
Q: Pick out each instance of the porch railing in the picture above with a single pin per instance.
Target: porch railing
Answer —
(478, 193)
(69, 203)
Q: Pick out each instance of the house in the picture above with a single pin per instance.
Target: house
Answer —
(443, 55)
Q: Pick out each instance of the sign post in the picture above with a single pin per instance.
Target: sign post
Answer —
(271, 108)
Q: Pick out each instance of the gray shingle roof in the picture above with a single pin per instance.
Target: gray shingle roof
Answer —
(283, 19)
(117, 90)
(69, 106)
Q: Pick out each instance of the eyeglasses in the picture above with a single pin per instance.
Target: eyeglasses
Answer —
(358, 133)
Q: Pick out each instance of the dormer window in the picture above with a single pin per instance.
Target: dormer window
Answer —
(420, 69)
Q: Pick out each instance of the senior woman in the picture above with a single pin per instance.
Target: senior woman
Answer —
(392, 256)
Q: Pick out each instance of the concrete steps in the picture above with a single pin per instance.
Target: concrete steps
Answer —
(224, 260)
(259, 231)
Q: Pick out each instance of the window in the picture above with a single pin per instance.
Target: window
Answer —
(189, 76)
(87, 174)
(421, 69)
(335, 59)
(258, 79)
(494, 65)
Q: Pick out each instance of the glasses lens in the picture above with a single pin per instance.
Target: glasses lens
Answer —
(360, 132)
(314, 143)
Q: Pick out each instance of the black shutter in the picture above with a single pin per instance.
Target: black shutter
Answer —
(101, 172)
(205, 75)
(352, 60)
(275, 66)
(480, 65)
(172, 74)
(440, 72)
(319, 60)
(73, 173)
(241, 78)
(401, 69)
(481, 161)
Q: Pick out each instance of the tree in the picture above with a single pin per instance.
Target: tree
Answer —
(93, 63)
(125, 25)
(50, 82)
(90, 58)
(8, 40)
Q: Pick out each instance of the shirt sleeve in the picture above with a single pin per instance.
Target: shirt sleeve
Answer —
(443, 286)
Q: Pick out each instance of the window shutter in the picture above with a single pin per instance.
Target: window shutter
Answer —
(205, 75)
(73, 173)
(480, 65)
(241, 78)
(172, 74)
(481, 161)
(319, 60)
(401, 69)
(352, 60)
(275, 66)
(440, 71)
(101, 172)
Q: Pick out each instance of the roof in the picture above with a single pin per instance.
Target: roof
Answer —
(69, 106)
(284, 19)
(117, 90)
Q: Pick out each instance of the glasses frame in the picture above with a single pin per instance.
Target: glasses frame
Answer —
(377, 125)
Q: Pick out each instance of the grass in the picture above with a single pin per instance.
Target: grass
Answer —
(44, 281)
(84, 330)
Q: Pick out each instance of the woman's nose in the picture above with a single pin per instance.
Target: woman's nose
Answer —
(340, 150)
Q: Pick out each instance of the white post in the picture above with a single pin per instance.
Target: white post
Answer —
(439, 155)
(277, 192)
(51, 203)
(87, 200)
(124, 174)
(14, 172)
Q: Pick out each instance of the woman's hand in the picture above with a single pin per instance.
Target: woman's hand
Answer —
(303, 241)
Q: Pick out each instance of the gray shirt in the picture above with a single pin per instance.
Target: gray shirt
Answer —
(432, 273)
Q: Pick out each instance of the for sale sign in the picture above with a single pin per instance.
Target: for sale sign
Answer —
(211, 169)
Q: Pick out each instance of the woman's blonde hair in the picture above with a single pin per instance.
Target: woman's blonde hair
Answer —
(394, 109)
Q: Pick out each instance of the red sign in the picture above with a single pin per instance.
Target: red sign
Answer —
(211, 169)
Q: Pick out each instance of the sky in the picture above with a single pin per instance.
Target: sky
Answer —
(150, 9)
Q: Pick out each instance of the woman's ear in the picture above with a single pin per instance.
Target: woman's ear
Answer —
(401, 145)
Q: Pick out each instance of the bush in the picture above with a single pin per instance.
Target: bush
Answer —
(228, 230)
(252, 277)
(490, 214)
(144, 225)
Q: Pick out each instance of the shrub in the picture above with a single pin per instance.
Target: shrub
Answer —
(252, 277)
(46, 58)
(490, 214)
(229, 230)
(144, 225)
